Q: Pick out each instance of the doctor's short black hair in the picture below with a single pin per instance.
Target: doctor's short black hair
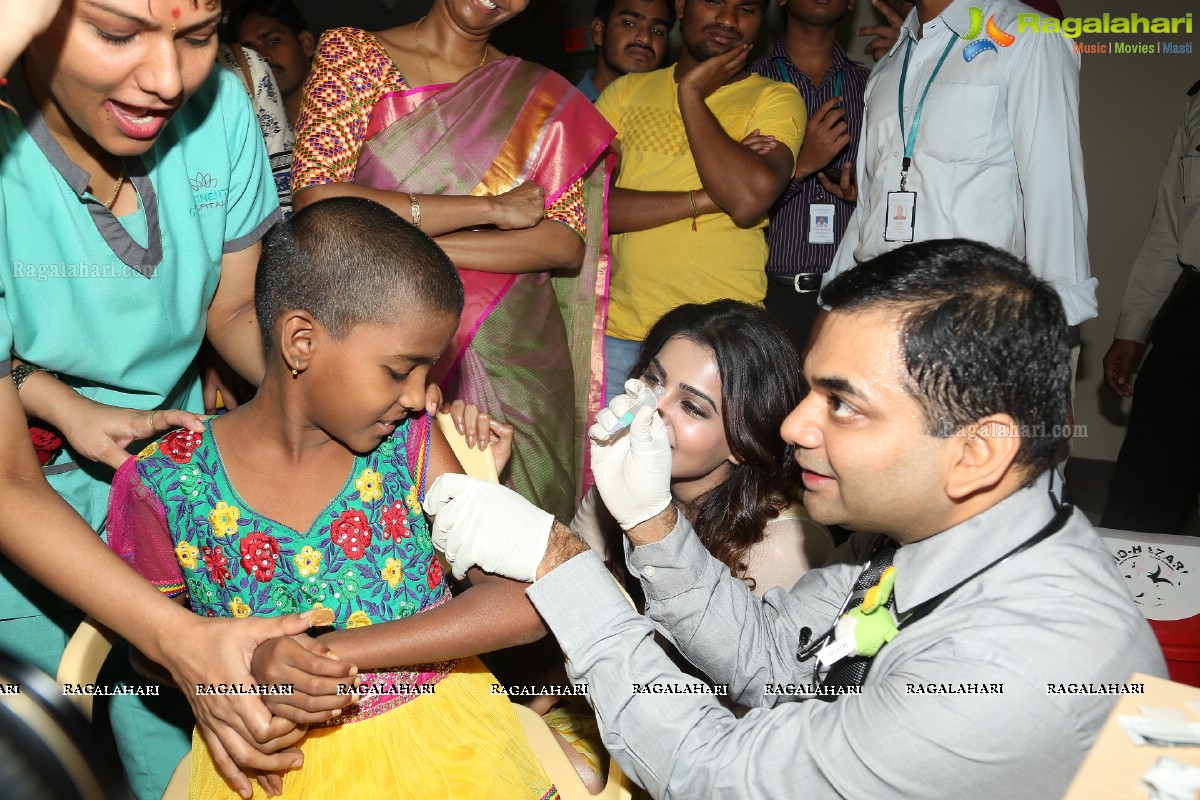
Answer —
(980, 335)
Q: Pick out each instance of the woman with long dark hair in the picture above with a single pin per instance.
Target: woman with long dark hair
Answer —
(729, 376)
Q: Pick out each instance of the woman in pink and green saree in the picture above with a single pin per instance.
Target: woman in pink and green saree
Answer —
(503, 163)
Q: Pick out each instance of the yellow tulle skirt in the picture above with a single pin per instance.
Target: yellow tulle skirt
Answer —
(462, 743)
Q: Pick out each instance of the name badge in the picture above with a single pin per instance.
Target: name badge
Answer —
(832, 653)
(820, 223)
(901, 213)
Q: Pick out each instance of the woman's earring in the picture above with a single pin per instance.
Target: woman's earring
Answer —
(295, 372)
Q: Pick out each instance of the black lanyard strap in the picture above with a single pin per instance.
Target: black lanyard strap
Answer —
(808, 647)
(922, 610)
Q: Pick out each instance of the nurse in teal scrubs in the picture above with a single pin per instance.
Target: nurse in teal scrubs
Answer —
(134, 190)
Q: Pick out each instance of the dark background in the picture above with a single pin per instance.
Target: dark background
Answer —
(550, 32)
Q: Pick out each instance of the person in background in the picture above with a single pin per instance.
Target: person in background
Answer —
(894, 11)
(692, 192)
(1157, 477)
(276, 30)
(809, 218)
(630, 36)
(728, 377)
(271, 57)
(256, 75)
(966, 137)
(505, 169)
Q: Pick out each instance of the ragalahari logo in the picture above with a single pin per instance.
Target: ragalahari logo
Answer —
(995, 36)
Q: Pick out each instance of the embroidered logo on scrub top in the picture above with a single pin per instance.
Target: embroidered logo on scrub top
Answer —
(995, 36)
(207, 192)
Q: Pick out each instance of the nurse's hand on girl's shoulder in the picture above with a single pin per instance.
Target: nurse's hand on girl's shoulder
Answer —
(322, 684)
(101, 433)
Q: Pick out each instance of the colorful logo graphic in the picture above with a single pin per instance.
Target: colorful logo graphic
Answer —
(995, 36)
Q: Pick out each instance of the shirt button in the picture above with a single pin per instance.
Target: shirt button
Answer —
(649, 572)
(896, 154)
(906, 108)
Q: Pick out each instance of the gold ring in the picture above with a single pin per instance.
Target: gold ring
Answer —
(152, 413)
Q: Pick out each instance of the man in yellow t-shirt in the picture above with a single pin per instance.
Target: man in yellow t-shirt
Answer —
(706, 148)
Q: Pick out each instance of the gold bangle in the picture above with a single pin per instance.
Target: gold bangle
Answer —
(415, 207)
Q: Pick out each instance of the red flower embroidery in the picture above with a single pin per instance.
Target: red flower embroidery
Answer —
(179, 445)
(434, 579)
(216, 563)
(260, 553)
(395, 521)
(351, 532)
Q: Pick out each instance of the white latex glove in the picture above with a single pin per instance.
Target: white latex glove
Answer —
(632, 472)
(484, 524)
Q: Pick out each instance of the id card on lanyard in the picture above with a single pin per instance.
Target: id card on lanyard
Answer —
(901, 208)
(820, 215)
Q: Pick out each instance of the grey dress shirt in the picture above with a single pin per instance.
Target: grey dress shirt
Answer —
(1174, 236)
(978, 699)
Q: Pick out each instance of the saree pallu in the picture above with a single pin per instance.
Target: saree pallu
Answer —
(529, 347)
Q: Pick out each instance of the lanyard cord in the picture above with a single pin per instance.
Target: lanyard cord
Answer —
(782, 65)
(1062, 513)
(911, 140)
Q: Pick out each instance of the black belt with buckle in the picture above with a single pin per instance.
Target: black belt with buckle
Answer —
(803, 283)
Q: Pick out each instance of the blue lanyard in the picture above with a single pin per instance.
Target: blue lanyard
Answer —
(781, 65)
(911, 142)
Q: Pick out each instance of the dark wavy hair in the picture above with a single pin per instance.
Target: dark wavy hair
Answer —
(761, 382)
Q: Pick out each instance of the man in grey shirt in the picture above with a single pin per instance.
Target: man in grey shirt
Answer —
(938, 395)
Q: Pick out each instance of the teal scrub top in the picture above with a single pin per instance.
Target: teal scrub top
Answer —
(117, 307)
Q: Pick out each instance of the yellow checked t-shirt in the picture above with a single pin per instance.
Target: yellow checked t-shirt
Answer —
(658, 269)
